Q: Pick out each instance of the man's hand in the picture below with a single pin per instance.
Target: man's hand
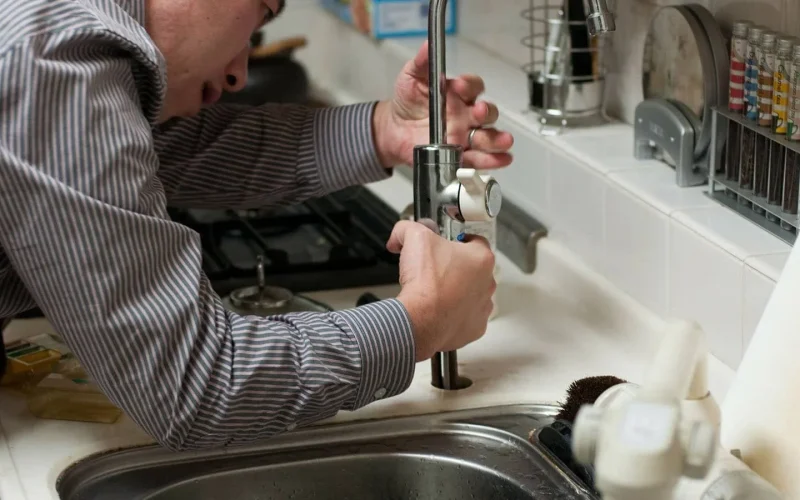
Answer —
(402, 123)
(447, 287)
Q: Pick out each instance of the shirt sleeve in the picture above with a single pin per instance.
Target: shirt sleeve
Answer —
(83, 222)
(238, 156)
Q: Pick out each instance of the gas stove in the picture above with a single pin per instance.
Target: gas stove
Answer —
(333, 242)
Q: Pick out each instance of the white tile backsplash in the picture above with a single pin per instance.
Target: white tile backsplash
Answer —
(527, 179)
(724, 227)
(770, 265)
(757, 291)
(706, 285)
(577, 197)
(654, 182)
(637, 242)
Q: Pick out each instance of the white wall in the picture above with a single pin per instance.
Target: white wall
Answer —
(497, 26)
(673, 249)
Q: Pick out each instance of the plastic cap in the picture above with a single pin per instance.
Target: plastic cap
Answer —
(586, 433)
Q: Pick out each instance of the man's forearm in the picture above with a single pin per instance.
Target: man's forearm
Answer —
(234, 156)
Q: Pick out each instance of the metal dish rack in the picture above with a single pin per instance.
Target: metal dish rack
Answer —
(757, 209)
(560, 99)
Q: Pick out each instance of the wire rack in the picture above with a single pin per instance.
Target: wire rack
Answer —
(566, 72)
(777, 210)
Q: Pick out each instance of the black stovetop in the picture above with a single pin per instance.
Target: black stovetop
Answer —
(337, 241)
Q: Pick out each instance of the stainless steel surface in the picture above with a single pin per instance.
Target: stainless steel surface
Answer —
(600, 20)
(493, 198)
(562, 92)
(481, 454)
(261, 297)
(264, 300)
(435, 184)
(437, 74)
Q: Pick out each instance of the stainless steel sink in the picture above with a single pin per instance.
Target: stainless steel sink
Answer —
(477, 454)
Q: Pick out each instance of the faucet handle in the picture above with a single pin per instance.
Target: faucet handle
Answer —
(479, 196)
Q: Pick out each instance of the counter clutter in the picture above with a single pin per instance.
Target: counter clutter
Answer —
(560, 324)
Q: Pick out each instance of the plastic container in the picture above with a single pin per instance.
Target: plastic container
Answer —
(30, 360)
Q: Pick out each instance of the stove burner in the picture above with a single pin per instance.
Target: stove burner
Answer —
(337, 241)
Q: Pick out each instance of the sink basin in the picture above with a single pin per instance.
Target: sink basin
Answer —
(475, 454)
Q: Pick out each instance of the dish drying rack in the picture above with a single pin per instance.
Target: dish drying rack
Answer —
(560, 98)
(771, 216)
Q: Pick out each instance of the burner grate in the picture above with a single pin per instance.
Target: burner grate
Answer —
(337, 241)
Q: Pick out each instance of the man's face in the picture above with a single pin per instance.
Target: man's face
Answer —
(206, 45)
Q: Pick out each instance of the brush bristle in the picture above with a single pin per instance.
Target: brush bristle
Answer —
(585, 391)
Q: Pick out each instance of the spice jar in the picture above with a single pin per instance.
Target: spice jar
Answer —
(780, 100)
(791, 183)
(765, 54)
(738, 53)
(751, 109)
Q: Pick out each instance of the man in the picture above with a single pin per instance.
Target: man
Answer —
(107, 115)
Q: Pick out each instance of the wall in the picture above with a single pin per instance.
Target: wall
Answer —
(500, 29)
(673, 249)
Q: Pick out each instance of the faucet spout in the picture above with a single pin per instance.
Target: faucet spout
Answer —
(437, 74)
(600, 20)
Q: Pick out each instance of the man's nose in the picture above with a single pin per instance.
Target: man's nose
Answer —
(236, 72)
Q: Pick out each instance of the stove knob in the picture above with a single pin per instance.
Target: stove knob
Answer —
(479, 196)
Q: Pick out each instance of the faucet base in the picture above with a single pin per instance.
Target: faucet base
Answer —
(444, 372)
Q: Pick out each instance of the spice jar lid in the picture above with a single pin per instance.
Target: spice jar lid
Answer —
(740, 28)
(754, 33)
(786, 43)
(768, 39)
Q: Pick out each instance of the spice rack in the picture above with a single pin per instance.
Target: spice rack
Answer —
(757, 209)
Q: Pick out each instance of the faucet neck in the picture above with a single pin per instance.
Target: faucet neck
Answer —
(437, 73)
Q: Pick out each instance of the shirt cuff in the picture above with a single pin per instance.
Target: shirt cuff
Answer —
(344, 147)
(386, 343)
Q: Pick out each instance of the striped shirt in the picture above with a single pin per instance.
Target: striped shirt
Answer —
(86, 175)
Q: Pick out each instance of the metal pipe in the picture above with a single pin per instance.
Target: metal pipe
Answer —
(437, 72)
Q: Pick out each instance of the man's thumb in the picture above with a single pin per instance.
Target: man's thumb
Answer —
(398, 236)
(403, 228)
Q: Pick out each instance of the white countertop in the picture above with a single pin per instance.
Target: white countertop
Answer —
(555, 326)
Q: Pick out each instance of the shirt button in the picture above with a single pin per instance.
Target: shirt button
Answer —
(291, 427)
(380, 393)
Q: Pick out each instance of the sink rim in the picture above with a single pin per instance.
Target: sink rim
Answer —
(103, 464)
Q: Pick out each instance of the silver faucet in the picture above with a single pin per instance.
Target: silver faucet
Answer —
(600, 20)
(446, 193)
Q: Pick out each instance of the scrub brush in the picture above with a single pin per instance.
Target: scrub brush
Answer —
(585, 392)
(557, 437)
